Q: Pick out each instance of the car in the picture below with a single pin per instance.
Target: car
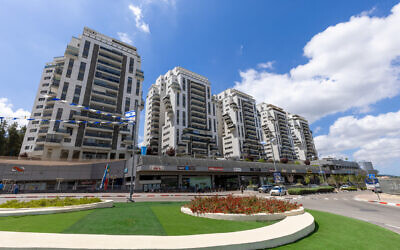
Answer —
(344, 187)
(264, 188)
(278, 190)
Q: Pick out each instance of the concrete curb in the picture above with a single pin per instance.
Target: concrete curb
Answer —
(379, 202)
(288, 230)
(245, 217)
(53, 210)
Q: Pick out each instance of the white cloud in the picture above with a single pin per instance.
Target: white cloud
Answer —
(140, 24)
(351, 65)
(266, 65)
(6, 110)
(124, 37)
(372, 138)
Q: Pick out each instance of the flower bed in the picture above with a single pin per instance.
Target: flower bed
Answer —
(57, 202)
(240, 205)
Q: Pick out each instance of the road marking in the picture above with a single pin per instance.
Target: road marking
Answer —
(392, 226)
(326, 198)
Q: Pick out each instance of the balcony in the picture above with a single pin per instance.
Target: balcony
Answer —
(139, 74)
(107, 70)
(110, 57)
(103, 84)
(198, 87)
(98, 135)
(97, 145)
(107, 77)
(103, 101)
(100, 127)
(110, 64)
(73, 51)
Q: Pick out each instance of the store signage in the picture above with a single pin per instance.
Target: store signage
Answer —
(156, 168)
(215, 168)
(255, 169)
(186, 168)
(237, 170)
(278, 177)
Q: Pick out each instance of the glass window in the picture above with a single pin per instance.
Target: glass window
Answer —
(131, 64)
(137, 87)
(183, 118)
(129, 86)
(86, 47)
(127, 104)
(183, 100)
(81, 73)
(77, 94)
(183, 84)
(64, 91)
(69, 69)
(209, 109)
(177, 99)
(177, 117)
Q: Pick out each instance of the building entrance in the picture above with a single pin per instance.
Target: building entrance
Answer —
(226, 182)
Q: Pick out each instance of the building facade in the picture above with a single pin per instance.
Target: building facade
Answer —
(181, 115)
(276, 133)
(96, 72)
(303, 141)
(239, 125)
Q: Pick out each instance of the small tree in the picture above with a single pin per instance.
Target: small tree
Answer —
(307, 179)
(331, 181)
(170, 151)
(307, 162)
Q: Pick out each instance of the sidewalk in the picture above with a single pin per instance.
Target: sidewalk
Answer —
(385, 199)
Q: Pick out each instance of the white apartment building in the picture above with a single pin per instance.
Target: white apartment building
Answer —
(302, 138)
(98, 72)
(277, 138)
(239, 125)
(181, 114)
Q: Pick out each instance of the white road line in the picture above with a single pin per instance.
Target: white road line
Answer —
(392, 226)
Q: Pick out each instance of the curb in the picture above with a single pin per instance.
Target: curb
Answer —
(108, 196)
(380, 202)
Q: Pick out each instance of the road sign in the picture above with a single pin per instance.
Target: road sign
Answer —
(143, 150)
(277, 177)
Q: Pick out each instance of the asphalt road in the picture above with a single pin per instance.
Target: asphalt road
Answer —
(342, 203)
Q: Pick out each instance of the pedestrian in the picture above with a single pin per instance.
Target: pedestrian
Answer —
(241, 188)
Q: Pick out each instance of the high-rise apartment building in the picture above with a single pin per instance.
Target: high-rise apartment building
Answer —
(277, 138)
(239, 125)
(302, 138)
(181, 114)
(101, 74)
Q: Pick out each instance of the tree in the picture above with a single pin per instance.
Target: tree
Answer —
(3, 140)
(307, 179)
(14, 140)
(331, 181)
(307, 162)
(170, 151)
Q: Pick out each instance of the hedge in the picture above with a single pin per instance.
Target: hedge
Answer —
(298, 191)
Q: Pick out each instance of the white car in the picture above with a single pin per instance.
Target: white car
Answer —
(277, 190)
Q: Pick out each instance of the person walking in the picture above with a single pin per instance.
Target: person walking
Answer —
(242, 188)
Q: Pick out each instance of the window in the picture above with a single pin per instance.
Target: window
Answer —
(127, 104)
(35, 122)
(26, 147)
(208, 92)
(37, 114)
(209, 124)
(129, 87)
(209, 109)
(86, 47)
(136, 104)
(64, 91)
(183, 118)
(33, 130)
(177, 136)
(137, 87)
(43, 92)
(49, 71)
(81, 73)
(31, 138)
(214, 109)
(183, 100)
(69, 69)
(45, 84)
(131, 64)
(77, 94)
(58, 117)
(47, 78)
(177, 99)
(177, 117)
(67, 139)
(39, 106)
(184, 84)
(215, 127)
(41, 99)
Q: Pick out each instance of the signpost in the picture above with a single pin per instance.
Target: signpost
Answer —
(131, 116)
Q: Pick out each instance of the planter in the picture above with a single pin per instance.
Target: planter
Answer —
(245, 217)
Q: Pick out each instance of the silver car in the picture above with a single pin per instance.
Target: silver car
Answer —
(278, 190)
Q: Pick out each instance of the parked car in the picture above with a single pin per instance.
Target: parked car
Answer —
(344, 187)
(264, 188)
(377, 189)
(278, 190)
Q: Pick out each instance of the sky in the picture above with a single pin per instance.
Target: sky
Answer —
(337, 63)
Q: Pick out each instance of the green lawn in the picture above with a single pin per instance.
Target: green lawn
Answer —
(143, 218)
(339, 232)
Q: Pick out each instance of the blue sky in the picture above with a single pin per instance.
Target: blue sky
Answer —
(334, 62)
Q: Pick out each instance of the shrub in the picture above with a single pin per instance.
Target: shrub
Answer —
(261, 160)
(299, 191)
(239, 205)
(57, 202)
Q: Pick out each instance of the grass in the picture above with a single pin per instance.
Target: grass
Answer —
(340, 232)
(147, 218)
(56, 202)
